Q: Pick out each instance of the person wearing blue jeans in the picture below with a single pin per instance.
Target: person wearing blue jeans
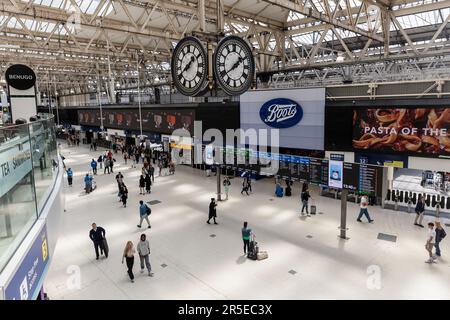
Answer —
(363, 209)
(440, 234)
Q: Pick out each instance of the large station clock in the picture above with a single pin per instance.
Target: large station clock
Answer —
(190, 66)
(234, 65)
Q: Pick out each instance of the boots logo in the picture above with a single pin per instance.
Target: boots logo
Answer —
(281, 113)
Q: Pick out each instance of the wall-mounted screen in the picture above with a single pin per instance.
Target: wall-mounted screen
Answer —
(411, 130)
(162, 121)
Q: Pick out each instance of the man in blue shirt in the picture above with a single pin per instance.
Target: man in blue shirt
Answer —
(144, 212)
(88, 183)
(94, 166)
(69, 176)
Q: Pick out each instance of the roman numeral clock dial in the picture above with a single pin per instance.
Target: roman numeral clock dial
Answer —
(189, 66)
(234, 65)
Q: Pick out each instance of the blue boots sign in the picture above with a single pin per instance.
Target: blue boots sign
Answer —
(281, 113)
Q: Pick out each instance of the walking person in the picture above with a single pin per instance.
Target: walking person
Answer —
(160, 167)
(144, 212)
(88, 183)
(128, 255)
(151, 170)
(100, 161)
(124, 195)
(244, 187)
(148, 183)
(212, 211)
(246, 233)
(249, 183)
(363, 209)
(106, 162)
(440, 234)
(69, 176)
(305, 199)
(143, 249)
(94, 166)
(119, 177)
(97, 235)
(420, 209)
(226, 186)
(142, 185)
(431, 237)
(111, 164)
(125, 156)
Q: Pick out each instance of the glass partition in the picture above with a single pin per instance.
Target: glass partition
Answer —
(28, 169)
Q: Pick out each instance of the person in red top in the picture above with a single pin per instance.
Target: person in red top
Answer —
(110, 154)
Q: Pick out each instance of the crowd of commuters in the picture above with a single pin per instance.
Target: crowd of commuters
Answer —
(151, 160)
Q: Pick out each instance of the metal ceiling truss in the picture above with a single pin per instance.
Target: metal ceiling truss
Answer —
(306, 41)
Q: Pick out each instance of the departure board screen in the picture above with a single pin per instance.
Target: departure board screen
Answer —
(299, 168)
(293, 168)
(370, 179)
(351, 176)
(318, 172)
(284, 163)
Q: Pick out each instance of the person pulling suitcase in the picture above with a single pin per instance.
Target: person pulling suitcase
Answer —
(98, 237)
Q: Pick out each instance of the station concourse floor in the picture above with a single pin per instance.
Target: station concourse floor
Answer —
(306, 260)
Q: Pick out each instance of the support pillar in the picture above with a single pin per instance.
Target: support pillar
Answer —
(343, 226)
(219, 185)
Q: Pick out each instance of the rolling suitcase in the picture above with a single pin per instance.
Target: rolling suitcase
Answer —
(313, 209)
(105, 247)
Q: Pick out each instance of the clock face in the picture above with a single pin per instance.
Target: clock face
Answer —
(189, 66)
(234, 65)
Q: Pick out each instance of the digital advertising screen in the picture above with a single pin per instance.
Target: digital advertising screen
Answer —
(163, 121)
(409, 130)
(335, 174)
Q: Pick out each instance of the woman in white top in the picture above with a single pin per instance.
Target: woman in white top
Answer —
(431, 237)
(363, 209)
(128, 255)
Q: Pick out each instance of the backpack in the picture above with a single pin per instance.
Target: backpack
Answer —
(148, 210)
(443, 234)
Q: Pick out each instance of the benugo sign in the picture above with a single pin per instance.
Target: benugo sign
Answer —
(20, 77)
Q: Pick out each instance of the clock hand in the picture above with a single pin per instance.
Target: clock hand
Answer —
(238, 62)
(186, 68)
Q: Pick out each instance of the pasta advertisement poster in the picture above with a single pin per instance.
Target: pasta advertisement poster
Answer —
(417, 130)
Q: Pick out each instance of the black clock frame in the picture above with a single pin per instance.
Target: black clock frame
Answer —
(218, 78)
(199, 89)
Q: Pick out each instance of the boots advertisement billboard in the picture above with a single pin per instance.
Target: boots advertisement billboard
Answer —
(407, 130)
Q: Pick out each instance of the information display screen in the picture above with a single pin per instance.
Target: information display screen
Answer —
(284, 166)
(351, 176)
(318, 172)
(254, 165)
(370, 179)
(299, 168)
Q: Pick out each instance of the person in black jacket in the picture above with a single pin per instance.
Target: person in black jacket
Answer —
(97, 235)
(420, 209)
(305, 198)
(212, 211)
(148, 183)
